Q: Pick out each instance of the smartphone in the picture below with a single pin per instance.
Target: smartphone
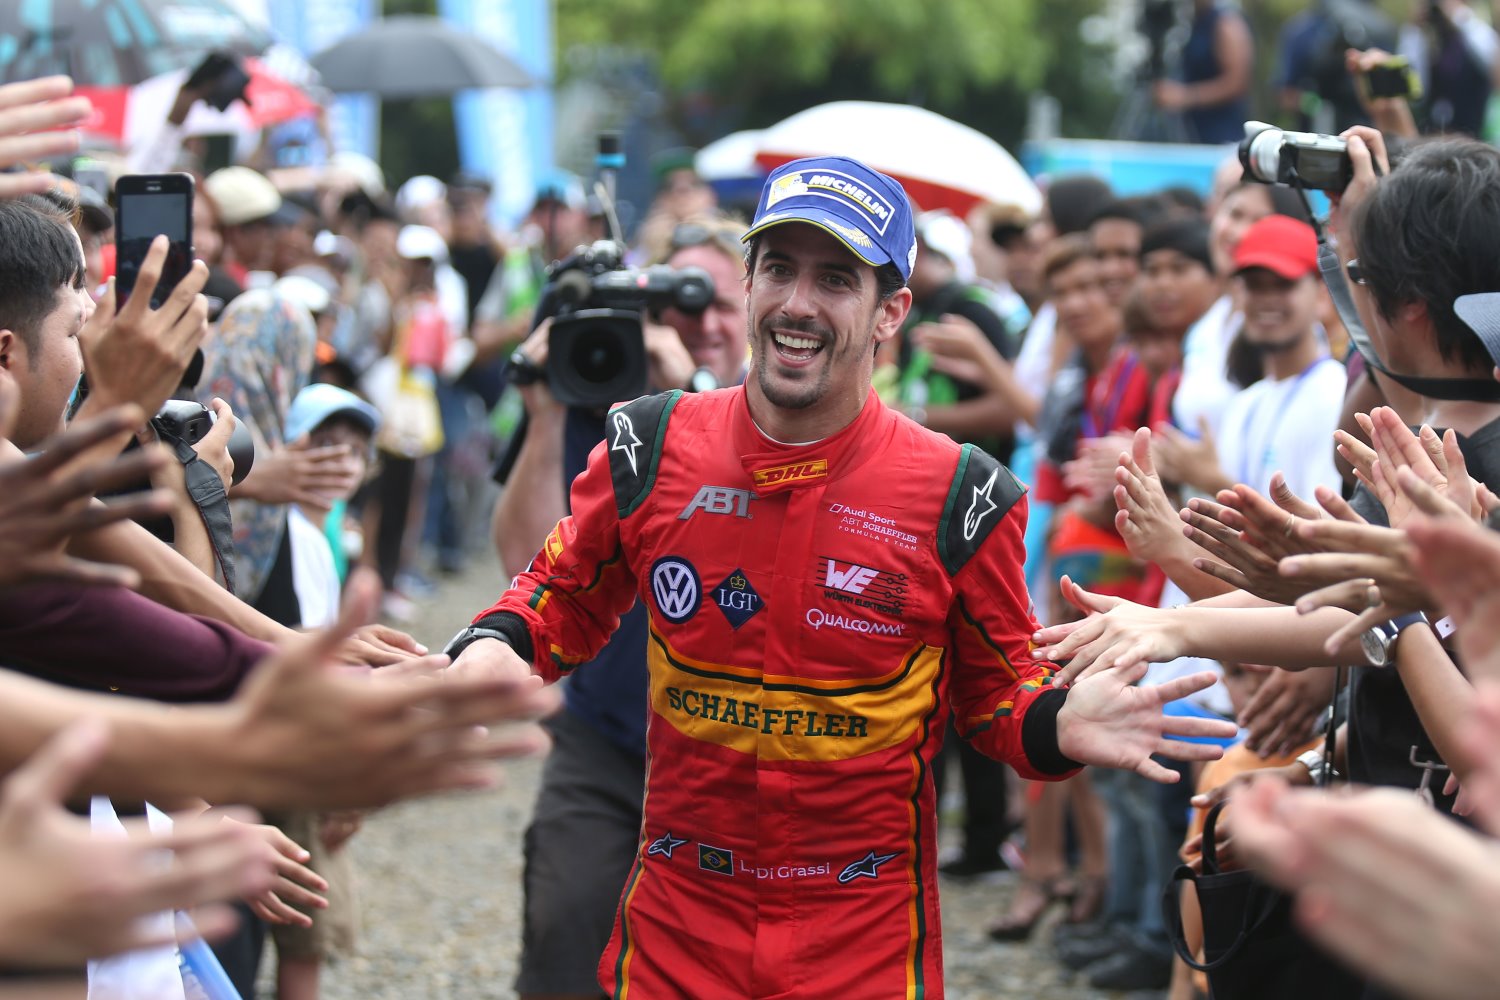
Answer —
(1392, 78)
(148, 206)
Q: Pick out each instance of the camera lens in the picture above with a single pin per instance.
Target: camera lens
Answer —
(1262, 159)
(596, 355)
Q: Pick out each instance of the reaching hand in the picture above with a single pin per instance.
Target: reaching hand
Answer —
(294, 881)
(1147, 519)
(300, 473)
(1460, 563)
(34, 120)
(1283, 714)
(1117, 633)
(46, 500)
(71, 896)
(1364, 867)
(1222, 532)
(321, 738)
(1109, 721)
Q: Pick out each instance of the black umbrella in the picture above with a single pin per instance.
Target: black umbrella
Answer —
(107, 43)
(412, 56)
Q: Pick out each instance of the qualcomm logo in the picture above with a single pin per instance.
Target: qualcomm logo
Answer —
(974, 514)
(817, 618)
(674, 584)
(625, 440)
(853, 580)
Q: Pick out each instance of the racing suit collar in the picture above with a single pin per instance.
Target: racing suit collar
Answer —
(774, 467)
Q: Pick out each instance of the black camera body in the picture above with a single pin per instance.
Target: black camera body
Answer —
(189, 421)
(596, 350)
(1300, 159)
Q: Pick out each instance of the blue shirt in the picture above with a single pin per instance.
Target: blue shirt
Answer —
(609, 691)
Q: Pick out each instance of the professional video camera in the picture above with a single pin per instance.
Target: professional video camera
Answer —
(1302, 159)
(596, 351)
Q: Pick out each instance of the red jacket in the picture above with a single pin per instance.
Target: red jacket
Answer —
(815, 612)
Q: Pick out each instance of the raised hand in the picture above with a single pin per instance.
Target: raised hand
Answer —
(34, 120)
(1284, 711)
(1109, 721)
(294, 882)
(1147, 519)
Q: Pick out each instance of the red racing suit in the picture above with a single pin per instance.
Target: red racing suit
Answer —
(815, 613)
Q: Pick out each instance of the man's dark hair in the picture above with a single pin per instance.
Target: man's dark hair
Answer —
(57, 203)
(888, 280)
(1187, 235)
(38, 255)
(1430, 232)
(1074, 200)
(1143, 210)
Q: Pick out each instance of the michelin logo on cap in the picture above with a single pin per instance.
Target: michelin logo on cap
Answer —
(832, 184)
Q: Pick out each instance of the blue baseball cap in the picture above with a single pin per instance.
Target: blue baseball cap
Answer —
(320, 401)
(863, 209)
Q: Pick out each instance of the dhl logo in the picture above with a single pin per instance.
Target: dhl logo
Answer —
(797, 472)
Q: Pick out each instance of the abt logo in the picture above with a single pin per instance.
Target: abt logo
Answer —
(719, 500)
(852, 579)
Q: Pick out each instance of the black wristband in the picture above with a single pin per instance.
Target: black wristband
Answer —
(503, 626)
(1039, 734)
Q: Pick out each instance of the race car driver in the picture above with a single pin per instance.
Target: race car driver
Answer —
(825, 582)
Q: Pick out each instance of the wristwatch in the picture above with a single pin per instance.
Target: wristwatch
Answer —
(1316, 764)
(1379, 643)
(468, 636)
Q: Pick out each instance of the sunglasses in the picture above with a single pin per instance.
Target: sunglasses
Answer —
(1356, 275)
(697, 234)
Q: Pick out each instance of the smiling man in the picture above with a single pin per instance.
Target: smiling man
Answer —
(825, 581)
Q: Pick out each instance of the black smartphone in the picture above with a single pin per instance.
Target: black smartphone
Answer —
(148, 206)
(1392, 78)
(222, 79)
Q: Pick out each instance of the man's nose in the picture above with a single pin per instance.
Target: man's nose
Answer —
(801, 302)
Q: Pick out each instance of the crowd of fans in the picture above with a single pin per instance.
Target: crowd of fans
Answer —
(1224, 472)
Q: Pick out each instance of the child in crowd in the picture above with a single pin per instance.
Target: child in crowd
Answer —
(326, 415)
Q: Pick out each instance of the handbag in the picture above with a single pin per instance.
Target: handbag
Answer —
(1251, 947)
(411, 424)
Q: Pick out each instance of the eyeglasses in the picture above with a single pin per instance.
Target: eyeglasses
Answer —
(1356, 275)
(725, 235)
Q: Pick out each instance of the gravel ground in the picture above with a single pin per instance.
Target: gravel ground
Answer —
(440, 886)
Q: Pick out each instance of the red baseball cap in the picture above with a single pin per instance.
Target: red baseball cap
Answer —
(1280, 244)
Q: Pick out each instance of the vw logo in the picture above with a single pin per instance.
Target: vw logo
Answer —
(674, 584)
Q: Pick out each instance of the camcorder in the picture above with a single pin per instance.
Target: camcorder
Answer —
(596, 349)
(1298, 159)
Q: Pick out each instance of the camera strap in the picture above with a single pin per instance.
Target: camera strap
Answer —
(1479, 390)
(207, 492)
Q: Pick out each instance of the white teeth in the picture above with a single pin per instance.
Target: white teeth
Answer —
(797, 343)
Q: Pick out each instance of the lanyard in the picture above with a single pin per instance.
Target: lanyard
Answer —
(1268, 442)
(1115, 390)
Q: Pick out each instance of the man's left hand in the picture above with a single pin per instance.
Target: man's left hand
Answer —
(1109, 721)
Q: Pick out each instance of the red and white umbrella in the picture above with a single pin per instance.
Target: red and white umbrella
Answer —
(130, 115)
(941, 163)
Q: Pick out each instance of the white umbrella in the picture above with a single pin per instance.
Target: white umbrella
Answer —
(941, 163)
(731, 157)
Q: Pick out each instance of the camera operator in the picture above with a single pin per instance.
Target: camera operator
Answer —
(1217, 60)
(588, 814)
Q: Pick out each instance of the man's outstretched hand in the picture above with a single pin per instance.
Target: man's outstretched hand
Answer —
(34, 115)
(1108, 721)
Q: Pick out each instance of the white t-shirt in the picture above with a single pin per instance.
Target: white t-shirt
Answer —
(1033, 365)
(314, 576)
(1205, 388)
(1285, 425)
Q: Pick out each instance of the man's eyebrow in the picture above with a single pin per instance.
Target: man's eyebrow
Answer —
(839, 266)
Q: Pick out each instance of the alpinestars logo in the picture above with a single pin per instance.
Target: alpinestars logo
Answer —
(866, 867)
(625, 440)
(975, 513)
(863, 586)
(665, 845)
